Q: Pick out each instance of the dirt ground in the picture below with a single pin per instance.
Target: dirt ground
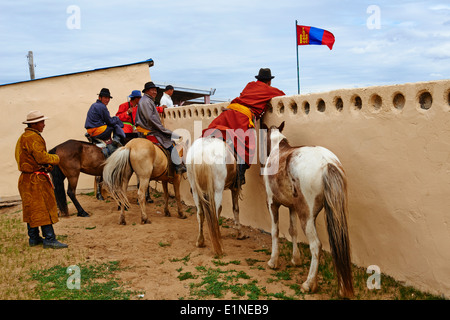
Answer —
(154, 257)
(152, 254)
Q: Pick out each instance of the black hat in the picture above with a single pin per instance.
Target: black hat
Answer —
(105, 93)
(149, 85)
(264, 74)
(169, 87)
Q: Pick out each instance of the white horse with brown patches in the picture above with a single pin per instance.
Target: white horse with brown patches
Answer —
(307, 179)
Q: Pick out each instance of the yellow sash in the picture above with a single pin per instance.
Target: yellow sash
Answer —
(144, 131)
(96, 131)
(244, 110)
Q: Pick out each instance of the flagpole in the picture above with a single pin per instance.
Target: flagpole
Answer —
(296, 47)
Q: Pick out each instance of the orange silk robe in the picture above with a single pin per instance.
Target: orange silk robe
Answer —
(36, 190)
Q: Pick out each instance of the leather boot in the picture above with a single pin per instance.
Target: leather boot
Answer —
(35, 238)
(180, 168)
(50, 238)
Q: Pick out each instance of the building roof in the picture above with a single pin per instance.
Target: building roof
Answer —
(182, 94)
(148, 61)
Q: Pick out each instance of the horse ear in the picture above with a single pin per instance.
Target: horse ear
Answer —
(281, 127)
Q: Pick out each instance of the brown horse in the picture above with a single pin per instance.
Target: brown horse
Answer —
(211, 169)
(307, 179)
(75, 157)
(149, 162)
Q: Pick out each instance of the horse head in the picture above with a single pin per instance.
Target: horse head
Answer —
(274, 135)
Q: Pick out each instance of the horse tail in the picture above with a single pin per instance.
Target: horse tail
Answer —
(204, 185)
(114, 173)
(59, 190)
(335, 190)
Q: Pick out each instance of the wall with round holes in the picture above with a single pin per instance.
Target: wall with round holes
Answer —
(394, 143)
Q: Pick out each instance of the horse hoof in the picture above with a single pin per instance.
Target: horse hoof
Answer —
(83, 214)
(182, 216)
(167, 213)
(242, 236)
(146, 221)
(272, 265)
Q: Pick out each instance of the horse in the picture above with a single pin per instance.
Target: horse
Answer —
(306, 179)
(149, 162)
(75, 157)
(211, 169)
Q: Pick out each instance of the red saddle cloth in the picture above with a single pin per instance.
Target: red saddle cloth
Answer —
(153, 139)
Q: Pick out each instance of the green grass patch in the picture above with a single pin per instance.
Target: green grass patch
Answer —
(97, 282)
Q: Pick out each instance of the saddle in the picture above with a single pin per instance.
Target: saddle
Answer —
(107, 146)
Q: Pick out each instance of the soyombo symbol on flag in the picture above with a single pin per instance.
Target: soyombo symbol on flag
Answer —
(310, 35)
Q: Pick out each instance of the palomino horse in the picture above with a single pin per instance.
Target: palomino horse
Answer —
(211, 168)
(307, 179)
(149, 162)
(75, 157)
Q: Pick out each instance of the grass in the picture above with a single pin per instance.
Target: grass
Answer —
(225, 282)
(97, 282)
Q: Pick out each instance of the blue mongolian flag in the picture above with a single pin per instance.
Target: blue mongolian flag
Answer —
(311, 35)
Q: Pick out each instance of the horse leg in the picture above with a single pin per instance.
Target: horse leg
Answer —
(176, 188)
(293, 232)
(143, 186)
(98, 188)
(237, 223)
(310, 285)
(273, 210)
(72, 185)
(200, 218)
(166, 199)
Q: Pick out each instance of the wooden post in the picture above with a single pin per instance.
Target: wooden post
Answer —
(31, 64)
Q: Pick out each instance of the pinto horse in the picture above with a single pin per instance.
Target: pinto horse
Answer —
(149, 162)
(307, 179)
(75, 157)
(211, 169)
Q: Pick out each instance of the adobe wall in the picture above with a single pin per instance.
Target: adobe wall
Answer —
(394, 143)
(66, 100)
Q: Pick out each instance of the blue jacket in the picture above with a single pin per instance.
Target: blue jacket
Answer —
(98, 115)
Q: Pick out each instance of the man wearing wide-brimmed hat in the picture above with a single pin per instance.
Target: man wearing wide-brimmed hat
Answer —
(35, 187)
(99, 123)
(240, 116)
(149, 123)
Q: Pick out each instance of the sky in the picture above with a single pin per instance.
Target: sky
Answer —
(222, 45)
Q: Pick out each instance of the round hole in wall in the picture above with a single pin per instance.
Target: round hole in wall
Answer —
(190, 113)
(179, 114)
(168, 114)
(281, 107)
(306, 107)
(425, 100)
(196, 112)
(399, 101)
(208, 113)
(339, 104)
(357, 102)
(216, 112)
(184, 113)
(202, 113)
(376, 102)
(321, 105)
(174, 115)
(293, 107)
